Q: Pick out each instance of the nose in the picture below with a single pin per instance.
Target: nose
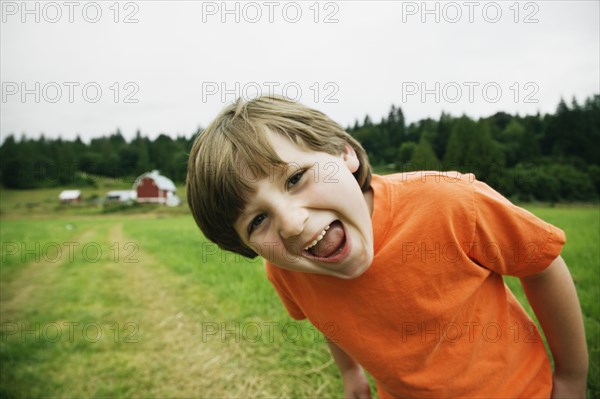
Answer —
(291, 222)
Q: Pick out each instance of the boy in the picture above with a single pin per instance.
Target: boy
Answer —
(402, 273)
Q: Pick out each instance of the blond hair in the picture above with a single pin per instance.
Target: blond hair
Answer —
(238, 139)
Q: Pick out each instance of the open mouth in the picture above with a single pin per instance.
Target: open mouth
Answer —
(330, 245)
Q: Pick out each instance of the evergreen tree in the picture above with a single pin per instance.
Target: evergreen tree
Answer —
(444, 129)
(405, 155)
(162, 152)
(395, 127)
(10, 163)
(512, 140)
(142, 146)
(424, 158)
(471, 149)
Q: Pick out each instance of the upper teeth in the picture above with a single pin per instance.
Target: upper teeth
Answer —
(319, 238)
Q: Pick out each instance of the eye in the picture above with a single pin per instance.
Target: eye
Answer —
(256, 222)
(295, 179)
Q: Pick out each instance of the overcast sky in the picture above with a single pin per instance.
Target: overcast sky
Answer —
(88, 68)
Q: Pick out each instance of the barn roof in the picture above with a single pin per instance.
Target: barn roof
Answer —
(69, 195)
(162, 182)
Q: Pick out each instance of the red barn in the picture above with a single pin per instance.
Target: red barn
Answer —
(154, 188)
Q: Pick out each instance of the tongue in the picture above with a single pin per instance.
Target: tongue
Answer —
(332, 241)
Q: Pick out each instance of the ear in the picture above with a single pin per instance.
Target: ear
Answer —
(350, 158)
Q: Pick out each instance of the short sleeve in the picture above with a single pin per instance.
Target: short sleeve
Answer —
(291, 306)
(509, 239)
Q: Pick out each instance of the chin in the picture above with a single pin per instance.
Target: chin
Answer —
(354, 271)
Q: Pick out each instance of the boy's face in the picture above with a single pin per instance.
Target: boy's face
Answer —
(310, 216)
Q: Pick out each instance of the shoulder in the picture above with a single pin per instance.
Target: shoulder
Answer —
(425, 177)
(428, 187)
(425, 204)
(271, 271)
(279, 277)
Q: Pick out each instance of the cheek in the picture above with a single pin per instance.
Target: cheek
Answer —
(332, 173)
(345, 184)
(267, 245)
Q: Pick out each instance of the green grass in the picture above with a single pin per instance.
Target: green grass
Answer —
(179, 318)
(196, 320)
(238, 297)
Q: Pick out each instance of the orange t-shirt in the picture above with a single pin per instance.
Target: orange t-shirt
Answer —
(431, 317)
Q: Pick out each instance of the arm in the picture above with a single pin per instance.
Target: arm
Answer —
(356, 385)
(553, 298)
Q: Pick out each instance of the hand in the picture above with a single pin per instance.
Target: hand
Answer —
(571, 388)
(356, 385)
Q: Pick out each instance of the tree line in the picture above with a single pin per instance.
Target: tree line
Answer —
(550, 157)
(32, 163)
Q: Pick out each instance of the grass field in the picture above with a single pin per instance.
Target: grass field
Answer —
(140, 305)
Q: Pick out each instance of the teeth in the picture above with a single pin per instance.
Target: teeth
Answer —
(319, 238)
